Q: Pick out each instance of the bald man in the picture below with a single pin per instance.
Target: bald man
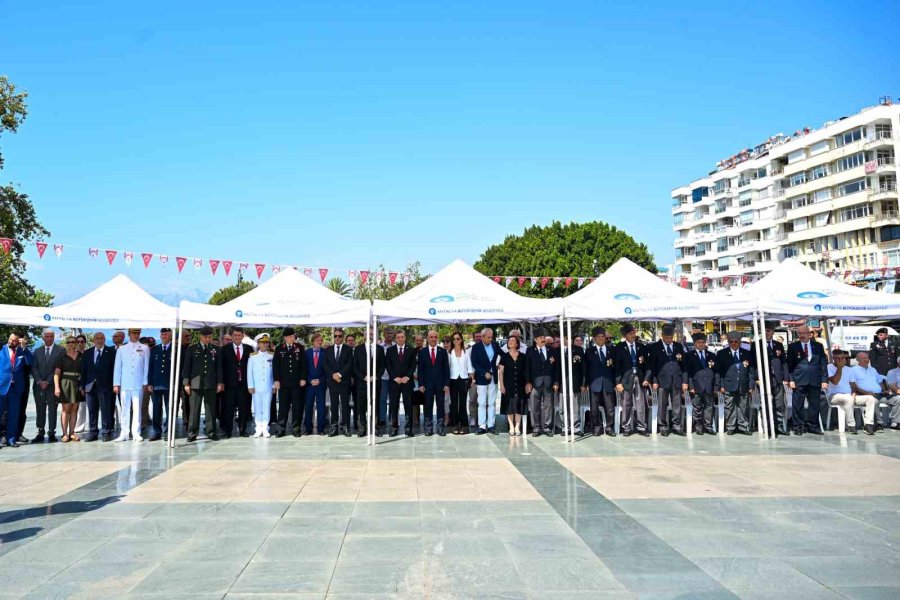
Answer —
(434, 382)
(808, 378)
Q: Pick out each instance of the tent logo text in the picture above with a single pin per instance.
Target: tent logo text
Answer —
(806, 295)
(239, 313)
(442, 299)
(626, 297)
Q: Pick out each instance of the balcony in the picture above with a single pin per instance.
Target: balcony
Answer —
(879, 138)
(780, 214)
(781, 236)
(885, 217)
(886, 189)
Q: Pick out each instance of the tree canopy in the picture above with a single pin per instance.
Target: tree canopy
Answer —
(572, 250)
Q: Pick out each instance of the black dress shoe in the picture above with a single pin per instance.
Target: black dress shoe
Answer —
(104, 438)
(730, 432)
(22, 439)
(869, 429)
(227, 436)
(536, 433)
(710, 431)
(38, 438)
(815, 431)
(798, 432)
(410, 434)
(320, 433)
(611, 432)
(360, 433)
(698, 432)
(548, 433)
(481, 431)
(644, 433)
(851, 429)
(346, 432)
(191, 437)
(214, 437)
(280, 434)
(333, 433)
(442, 432)
(429, 433)
(379, 432)
(51, 438)
(155, 438)
(678, 432)
(245, 434)
(664, 433)
(627, 433)
(745, 432)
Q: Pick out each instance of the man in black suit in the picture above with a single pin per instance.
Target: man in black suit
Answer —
(338, 373)
(289, 372)
(97, 367)
(629, 362)
(233, 373)
(599, 382)
(778, 375)
(701, 377)
(400, 361)
(199, 377)
(808, 377)
(542, 375)
(434, 382)
(360, 356)
(736, 369)
(158, 381)
(668, 379)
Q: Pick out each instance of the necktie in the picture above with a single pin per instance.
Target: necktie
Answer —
(97, 356)
(806, 350)
(337, 353)
(701, 356)
(12, 360)
(633, 355)
(770, 346)
(315, 359)
(432, 357)
(401, 352)
(737, 358)
(543, 353)
(668, 350)
(237, 351)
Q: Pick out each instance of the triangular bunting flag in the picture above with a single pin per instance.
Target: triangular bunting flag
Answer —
(406, 278)
(276, 269)
(580, 281)
(521, 281)
(198, 262)
(146, 257)
(243, 266)
(496, 279)
(568, 281)
(58, 250)
(392, 278)
(213, 265)
(226, 264)
(129, 257)
(180, 261)
(6, 243)
(533, 281)
(352, 274)
(556, 281)
(94, 252)
(307, 271)
(260, 267)
(163, 259)
(544, 281)
(111, 256)
(323, 273)
(364, 277)
(41, 248)
(507, 281)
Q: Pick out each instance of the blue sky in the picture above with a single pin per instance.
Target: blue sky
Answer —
(347, 134)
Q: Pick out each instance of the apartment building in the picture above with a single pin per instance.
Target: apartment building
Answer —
(827, 197)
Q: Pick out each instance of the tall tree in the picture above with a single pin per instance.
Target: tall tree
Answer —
(573, 250)
(383, 290)
(228, 293)
(18, 220)
(339, 286)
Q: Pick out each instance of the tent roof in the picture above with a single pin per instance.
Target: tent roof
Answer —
(629, 292)
(794, 290)
(460, 294)
(118, 303)
(288, 298)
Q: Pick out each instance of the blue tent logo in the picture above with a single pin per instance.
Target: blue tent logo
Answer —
(47, 317)
(432, 311)
(442, 299)
(239, 313)
(626, 297)
(810, 295)
(627, 310)
(818, 307)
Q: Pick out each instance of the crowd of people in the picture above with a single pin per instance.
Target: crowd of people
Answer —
(121, 391)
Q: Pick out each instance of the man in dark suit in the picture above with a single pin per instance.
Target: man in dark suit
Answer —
(882, 352)
(599, 382)
(97, 367)
(736, 370)
(434, 382)
(158, 382)
(701, 377)
(808, 378)
(315, 389)
(233, 373)
(338, 374)
(400, 362)
(289, 373)
(200, 380)
(582, 401)
(542, 375)
(360, 356)
(13, 360)
(668, 379)
(629, 362)
(45, 359)
(778, 375)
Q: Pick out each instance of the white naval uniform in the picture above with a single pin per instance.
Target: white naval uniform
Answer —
(261, 381)
(130, 374)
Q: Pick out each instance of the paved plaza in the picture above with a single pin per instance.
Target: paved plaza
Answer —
(454, 517)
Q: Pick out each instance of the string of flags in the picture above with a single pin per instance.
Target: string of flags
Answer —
(532, 282)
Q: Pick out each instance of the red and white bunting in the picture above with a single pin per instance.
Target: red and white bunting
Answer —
(307, 271)
(180, 261)
(213, 265)
(146, 257)
(352, 274)
(226, 264)
(111, 256)
(379, 277)
(556, 281)
(495, 279)
(364, 277)
(243, 266)
(58, 250)
(406, 279)
(41, 248)
(260, 267)
(392, 277)
(276, 269)
(198, 262)
(323, 273)
(129, 258)
(507, 281)
(6, 244)
(580, 281)
(568, 282)
(533, 281)
(544, 281)
(521, 281)
(93, 252)
(163, 259)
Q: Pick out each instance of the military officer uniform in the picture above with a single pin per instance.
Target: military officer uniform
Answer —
(260, 379)
(667, 371)
(701, 374)
(130, 376)
(736, 370)
(200, 373)
(289, 369)
(629, 362)
(599, 378)
(882, 354)
(778, 376)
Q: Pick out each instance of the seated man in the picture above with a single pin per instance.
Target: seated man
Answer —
(866, 381)
(893, 382)
(841, 394)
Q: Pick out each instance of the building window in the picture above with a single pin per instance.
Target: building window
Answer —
(799, 201)
(789, 252)
(822, 195)
(801, 224)
(698, 194)
(857, 211)
(819, 172)
(848, 137)
(678, 218)
(852, 187)
(797, 179)
(722, 245)
(851, 162)
(890, 233)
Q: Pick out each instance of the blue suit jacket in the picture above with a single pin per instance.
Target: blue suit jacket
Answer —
(481, 364)
(13, 379)
(316, 372)
(160, 369)
(100, 374)
(437, 376)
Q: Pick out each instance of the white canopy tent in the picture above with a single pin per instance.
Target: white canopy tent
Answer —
(458, 294)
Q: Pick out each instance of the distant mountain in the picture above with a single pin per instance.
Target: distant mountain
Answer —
(174, 298)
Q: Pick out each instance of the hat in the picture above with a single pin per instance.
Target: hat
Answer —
(165, 330)
(597, 331)
(698, 336)
(134, 330)
(881, 330)
(207, 330)
(734, 336)
(540, 332)
(626, 329)
(668, 330)
(287, 331)
(771, 325)
(263, 337)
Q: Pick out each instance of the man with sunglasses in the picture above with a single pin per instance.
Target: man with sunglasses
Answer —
(338, 373)
(840, 393)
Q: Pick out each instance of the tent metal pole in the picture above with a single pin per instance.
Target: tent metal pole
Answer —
(369, 371)
(762, 379)
(176, 351)
(173, 385)
(373, 401)
(767, 367)
(574, 388)
(564, 393)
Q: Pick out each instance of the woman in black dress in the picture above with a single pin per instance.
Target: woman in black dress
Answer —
(512, 384)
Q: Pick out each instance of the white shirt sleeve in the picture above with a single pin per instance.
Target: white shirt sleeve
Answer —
(146, 355)
(831, 370)
(251, 380)
(117, 369)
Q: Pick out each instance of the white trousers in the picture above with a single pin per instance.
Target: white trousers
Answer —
(262, 407)
(847, 401)
(487, 402)
(81, 418)
(131, 400)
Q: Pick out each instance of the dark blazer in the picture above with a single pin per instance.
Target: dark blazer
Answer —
(514, 374)
(733, 377)
(626, 372)
(599, 372)
(481, 365)
(160, 367)
(807, 372)
(666, 370)
(360, 353)
(396, 367)
(437, 376)
(101, 374)
(883, 356)
(200, 369)
(313, 371)
(778, 368)
(343, 365)
(577, 368)
(231, 372)
(13, 378)
(536, 366)
(701, 374)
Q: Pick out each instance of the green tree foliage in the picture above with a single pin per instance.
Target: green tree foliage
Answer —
(373, 290)
(573, 250)
(339, 286)
(18, 220)
(228, 293)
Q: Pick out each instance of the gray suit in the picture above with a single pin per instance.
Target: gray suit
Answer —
(44, 400)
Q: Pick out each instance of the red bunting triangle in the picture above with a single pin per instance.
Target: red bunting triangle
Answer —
(521, 281)
(226, 264)
(260, 267)
(544, 281)
(146, 257)
(41, 248)
(213, 265)
(364, 277)
(496, 279)
(6, 243)
(180, 261)
(392, 277)
(568, 281)
(111, 256)
(323, 273)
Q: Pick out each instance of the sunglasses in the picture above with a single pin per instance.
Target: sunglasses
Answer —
(338, 335)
